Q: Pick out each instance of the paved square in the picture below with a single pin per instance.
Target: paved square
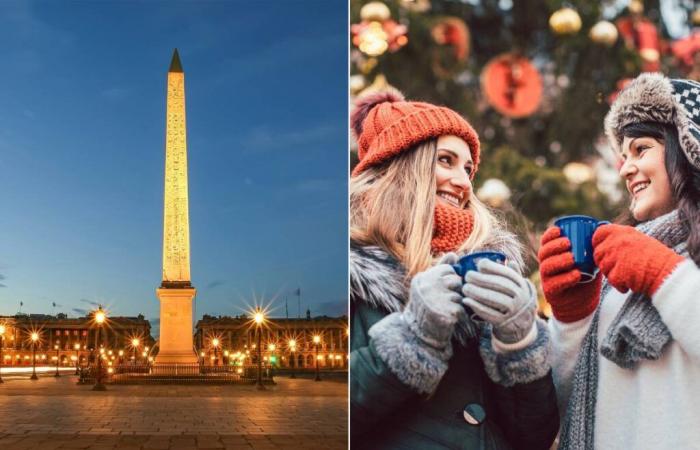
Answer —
(55, 413)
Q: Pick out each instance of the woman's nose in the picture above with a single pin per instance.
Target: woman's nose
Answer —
(461, 180)
(628, 168)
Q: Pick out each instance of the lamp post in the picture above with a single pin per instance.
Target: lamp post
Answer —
(135, 344)
(292, 348)
(215, 343)
(272, 348)
(100, 317)
(56, 347)
(34, 337)
(259, 318)
(2, 343)
(77, 358)
(317, 340)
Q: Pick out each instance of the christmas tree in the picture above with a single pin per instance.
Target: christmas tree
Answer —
(535, 78)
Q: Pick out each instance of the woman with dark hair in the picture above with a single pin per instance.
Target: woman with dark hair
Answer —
(627, 344)
(423, 373)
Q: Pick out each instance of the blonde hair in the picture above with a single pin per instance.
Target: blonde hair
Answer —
(392, 206)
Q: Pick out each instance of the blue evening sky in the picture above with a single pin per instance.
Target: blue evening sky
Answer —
(82, 128)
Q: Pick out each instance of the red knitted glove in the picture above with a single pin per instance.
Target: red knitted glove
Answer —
(631, 260)
(570, 300)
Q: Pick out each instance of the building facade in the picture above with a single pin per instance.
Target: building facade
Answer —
(72, 339)
(285, 343)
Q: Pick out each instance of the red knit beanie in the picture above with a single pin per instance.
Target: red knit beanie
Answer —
(385, 125)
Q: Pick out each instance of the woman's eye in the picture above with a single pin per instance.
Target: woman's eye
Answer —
(468, 169)
(444, 159)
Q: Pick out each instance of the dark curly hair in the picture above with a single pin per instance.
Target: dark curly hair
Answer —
(684, 179)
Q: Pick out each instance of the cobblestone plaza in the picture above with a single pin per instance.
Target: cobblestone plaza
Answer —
(54, 413)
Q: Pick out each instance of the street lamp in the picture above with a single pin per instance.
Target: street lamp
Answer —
(100, 318)
(135, 344)
(272, 348)
(34, 337)
(317, 340)
(2, 343)
(259, 318)
(77, 358)
(56, 347)
(292, 348)
(215, 343)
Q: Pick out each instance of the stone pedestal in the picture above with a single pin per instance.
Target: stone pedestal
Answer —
(175, 342)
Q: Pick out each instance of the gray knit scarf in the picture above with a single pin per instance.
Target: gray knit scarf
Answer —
(637, 333)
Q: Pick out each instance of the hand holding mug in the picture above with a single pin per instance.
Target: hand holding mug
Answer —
(501, 296)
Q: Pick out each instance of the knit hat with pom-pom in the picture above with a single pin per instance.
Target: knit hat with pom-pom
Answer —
(385, 124)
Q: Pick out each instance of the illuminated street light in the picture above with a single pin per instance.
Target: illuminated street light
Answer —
(77, 358)
(317, 340)
(34, 338)
(57, 348)
(100, 318)
(292, 344)
(272, 348)
(259, 318)
(215, 342)
(2, 344)
(135, 342)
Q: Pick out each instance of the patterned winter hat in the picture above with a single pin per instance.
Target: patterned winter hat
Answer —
(651, 97)
(385, 125)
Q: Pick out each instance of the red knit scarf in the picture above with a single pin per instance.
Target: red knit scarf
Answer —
(452, 227)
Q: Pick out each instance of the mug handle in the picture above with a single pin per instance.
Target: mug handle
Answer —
(458, 269)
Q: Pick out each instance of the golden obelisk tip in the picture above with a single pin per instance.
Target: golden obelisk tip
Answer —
(175, 64)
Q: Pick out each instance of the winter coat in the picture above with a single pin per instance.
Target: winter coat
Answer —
(657, 403)
(389, 412)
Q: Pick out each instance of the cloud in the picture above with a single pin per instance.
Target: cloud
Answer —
(3, 285)
(89, 302)
(214, 284)
(263, 138)
(80, 311)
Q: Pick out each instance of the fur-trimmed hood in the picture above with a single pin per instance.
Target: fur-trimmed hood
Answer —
(652, 97)
(378, 279)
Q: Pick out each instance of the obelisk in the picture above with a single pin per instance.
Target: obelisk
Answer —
(176, 293)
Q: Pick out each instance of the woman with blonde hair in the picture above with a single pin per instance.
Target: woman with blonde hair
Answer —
(425, 371)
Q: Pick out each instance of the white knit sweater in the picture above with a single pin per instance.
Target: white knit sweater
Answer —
(657, 404)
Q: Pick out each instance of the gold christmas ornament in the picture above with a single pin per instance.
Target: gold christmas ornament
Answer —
(418, 6)
(649, 55)
(565, 21)
(636, 7)
(604, 33)
(375, 11)
(695, 17)
(373, 40)
(578, 173)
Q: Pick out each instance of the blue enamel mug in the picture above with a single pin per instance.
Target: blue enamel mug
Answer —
(579, 229)
(469, 262)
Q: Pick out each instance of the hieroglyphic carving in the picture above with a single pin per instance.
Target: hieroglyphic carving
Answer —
(176, 230)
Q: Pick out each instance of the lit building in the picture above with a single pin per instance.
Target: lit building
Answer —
(288, 343)
(67, 334)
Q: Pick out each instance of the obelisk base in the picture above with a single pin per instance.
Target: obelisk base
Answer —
(175, 342)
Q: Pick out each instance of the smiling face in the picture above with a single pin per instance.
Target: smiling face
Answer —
(453, 169)
(646, 178)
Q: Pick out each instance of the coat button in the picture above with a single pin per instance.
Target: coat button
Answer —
(474, 414)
